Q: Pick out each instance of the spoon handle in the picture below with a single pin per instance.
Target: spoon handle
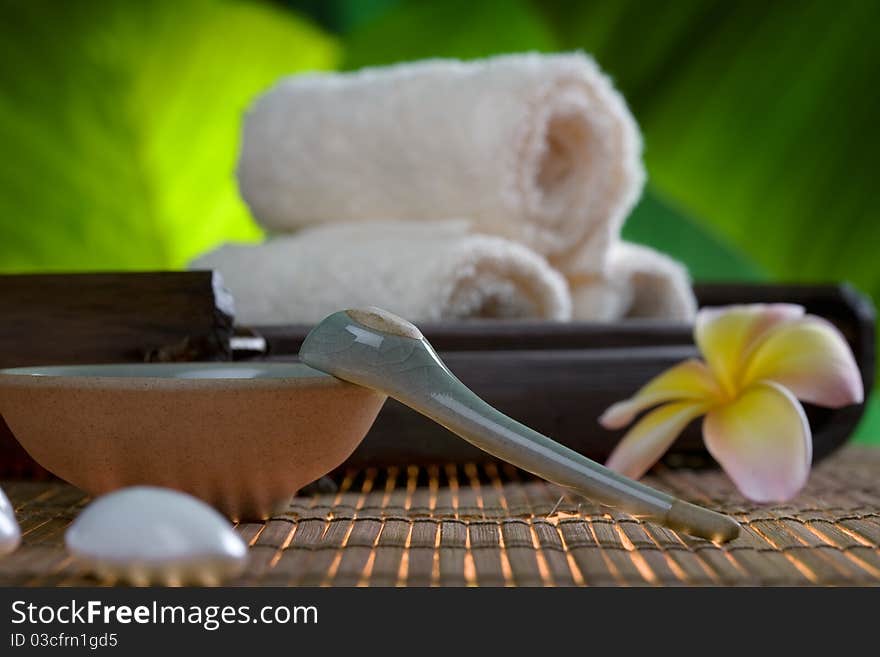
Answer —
(381, 351)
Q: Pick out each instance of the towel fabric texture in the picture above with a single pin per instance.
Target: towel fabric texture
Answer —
(356, 175)
(425, 271)
(540, 149)
(638, 282)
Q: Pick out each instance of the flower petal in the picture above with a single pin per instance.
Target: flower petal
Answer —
(646, 442)
(690, 380)
(726, 334)
(763, 442)
(812, 359)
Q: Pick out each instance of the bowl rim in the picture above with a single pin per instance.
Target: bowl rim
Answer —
(146, 376)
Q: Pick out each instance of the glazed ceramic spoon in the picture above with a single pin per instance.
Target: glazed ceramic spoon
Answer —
(379, 350)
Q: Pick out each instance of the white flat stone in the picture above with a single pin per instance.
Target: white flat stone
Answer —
(10, 532)
(148, 535)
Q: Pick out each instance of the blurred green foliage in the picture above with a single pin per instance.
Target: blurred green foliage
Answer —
(120, 119)
(452, 28)
(667, 228)
(758, 117)
(119, 122)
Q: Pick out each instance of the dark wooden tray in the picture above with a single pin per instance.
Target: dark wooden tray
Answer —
(557, 378)
(69, 319)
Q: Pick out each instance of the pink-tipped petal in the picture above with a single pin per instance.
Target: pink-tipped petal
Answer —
(725, 335)
(811, 358)
(763, 442)
(646, 442)
(690, 380)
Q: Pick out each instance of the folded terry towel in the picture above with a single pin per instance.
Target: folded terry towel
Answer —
(540, 149)
(422, 271)
(638, 282)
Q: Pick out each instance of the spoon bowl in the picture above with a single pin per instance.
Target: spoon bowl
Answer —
(377, 349)
(241, 436)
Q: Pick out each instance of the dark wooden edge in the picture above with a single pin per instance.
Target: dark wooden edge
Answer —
(107, 318)
(635, 348)
(475, 349)
(113, 317)
(840, 304)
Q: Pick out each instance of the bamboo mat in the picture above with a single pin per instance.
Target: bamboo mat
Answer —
(491, 525)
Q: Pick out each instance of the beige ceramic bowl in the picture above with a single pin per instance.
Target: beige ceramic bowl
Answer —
(241, 436)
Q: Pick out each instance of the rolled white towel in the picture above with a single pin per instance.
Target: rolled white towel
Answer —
(540, 149)
(423, 271)
(638, 282)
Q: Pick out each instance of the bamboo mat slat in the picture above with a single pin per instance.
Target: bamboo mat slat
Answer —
(492, 525)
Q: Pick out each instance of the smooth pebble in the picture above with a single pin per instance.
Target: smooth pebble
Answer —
(10, 532)
(149, 535)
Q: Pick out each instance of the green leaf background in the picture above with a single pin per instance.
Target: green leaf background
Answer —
(120, 120)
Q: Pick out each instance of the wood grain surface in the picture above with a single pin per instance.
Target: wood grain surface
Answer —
(554, 377)
(62, 319)
(558, 378)
(481, 524)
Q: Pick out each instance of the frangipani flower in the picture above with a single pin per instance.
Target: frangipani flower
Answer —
(759, 360)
